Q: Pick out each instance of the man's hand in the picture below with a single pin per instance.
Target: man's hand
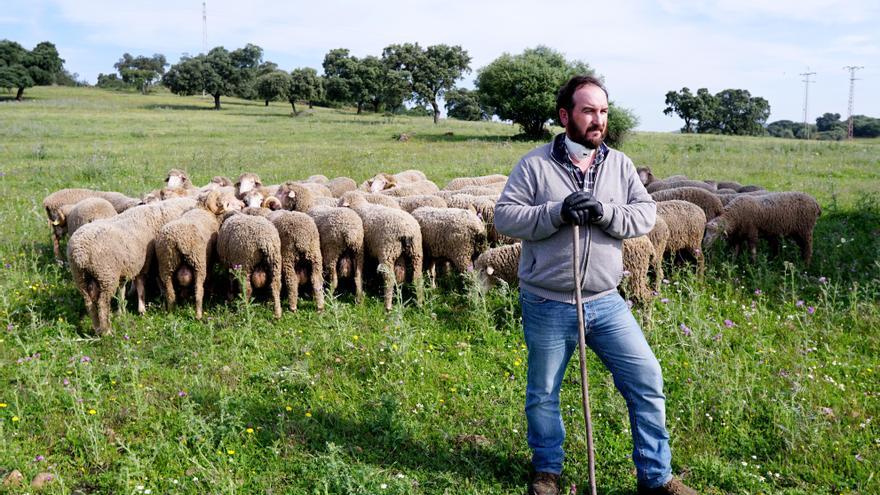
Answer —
(574, 209)
(594, 207)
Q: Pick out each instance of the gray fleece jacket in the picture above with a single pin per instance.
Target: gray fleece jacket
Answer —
(530, 209)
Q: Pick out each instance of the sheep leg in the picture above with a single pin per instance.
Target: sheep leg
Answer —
(701, 262)
(358, 276)
(658, 272)
(417, 279)
(805, 242)
(386, 268)
(332, 273)
(139, 285)
(167, 279)
(120, 298)
(318, 284)
(91, 308)
(291, 279)
(276, 289)
(106, 293)
(56, 242)
(774, 244)
(200, 290)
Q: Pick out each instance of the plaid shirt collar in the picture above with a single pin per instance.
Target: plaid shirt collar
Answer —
(560, 155)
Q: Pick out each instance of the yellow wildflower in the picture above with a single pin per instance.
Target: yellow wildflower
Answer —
(230, 451)
(15, 419)
(249, 430)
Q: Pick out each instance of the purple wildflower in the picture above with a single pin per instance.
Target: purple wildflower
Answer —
(783, 373)
(181, 393)
(7, 265)
(758, 292)
(685, 330)
(9, 327)
(799, 303)
(729, 324)
(66, 382)
(717, 337)
(85, 359)
(39, 458)
(823, 280)
(627, 273)
(655, 293)
(811, 310)
(126, 337)
(629, 304)
(664, 300)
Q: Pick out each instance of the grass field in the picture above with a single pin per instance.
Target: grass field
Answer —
(772, 369)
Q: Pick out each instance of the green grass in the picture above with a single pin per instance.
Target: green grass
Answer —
(424, 399)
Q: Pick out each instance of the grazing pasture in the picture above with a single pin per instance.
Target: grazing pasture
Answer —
(772, 369)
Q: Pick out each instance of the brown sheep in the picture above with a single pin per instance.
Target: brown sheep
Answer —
(770, 216)
(686, 222)
(499, 264)
(638, 256)
(251, 244)
(660, 185)
(452, 234)
(58, 222)
(87, 211)
(461, 182)
(300, 255)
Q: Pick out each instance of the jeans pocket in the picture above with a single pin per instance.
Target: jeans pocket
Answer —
(526, 297)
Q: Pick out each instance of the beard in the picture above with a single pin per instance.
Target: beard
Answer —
(582, 136)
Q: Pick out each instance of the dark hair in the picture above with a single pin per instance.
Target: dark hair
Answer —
(565, 97)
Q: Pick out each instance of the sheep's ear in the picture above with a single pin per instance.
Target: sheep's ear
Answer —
(59, 218)
(272, 203)
(291, 195)
(490, 270)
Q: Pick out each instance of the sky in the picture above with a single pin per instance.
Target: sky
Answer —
(643, 49)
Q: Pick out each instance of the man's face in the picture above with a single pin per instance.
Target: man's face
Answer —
(587, 122)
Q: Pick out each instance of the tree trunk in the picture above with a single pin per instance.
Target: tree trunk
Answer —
(217, 101)
(360, 107)
(436, 110)
(267, 103)
(310, 105)
(293, 105)
(19, 94)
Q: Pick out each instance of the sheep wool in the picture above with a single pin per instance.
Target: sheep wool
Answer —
(341, 231)
(450, 234)
(300, 255)
(686, 222)
(709, 202)
(499, 264)
(251, 244)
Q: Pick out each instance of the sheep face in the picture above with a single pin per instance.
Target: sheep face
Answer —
(247, 182)
(176, 178)
(254, 199)
(221, 204)
(645, 175)
(714, 230)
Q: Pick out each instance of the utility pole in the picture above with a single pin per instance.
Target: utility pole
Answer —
(204, 32)
(852, 87)
(807, 82)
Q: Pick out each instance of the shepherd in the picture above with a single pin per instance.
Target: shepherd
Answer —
(577, 180)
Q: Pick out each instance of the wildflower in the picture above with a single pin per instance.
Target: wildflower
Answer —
(230, 451)
(729, 324)
(308, 414)
(92, 412)
(85, 359)
(627, 273)
(517, 362)
(288, 408)
(629, 304)
(655, 293)
(758, 292)
(823, 280)
(126, 337)
(181, 393)
(16, 419)
(717, 337)
(811, 310)
(250, 431)
(685, 330)
(664, 300)
(355, 337)
(799, 303)
(3, 405)
(39, 458)
(383, 486)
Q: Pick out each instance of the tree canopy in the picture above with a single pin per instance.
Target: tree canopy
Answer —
(218, 73)
(272, 86)
(306, 85)
(20, 68)
(464, 104)
(731, 111)
(430, 72)
(141, 71)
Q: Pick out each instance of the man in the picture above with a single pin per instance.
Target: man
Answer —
(577, 179)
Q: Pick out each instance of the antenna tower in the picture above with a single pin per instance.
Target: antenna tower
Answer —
(852, 87)
(807, 82)
(205, 28)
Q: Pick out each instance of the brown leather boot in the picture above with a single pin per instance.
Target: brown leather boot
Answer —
(672, 487)
(544, 484)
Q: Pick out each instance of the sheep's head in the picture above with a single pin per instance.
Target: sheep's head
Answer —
(381, 182)
(645, 175)
(177, 178)
(272, 203)
(714, 229)
(221, 181)
(247, 182)
(351, 199)
(220, 203)
(172, 192)
(254, 198)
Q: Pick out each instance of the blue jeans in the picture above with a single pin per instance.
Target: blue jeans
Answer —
(550, 330)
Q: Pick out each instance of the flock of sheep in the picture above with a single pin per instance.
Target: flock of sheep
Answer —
(295, 234)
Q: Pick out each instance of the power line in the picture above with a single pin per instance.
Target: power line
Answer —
(852, 87)
(807, 82)
(205, 28)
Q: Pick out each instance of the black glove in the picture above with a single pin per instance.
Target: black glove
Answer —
(574, 208)
(594, 207)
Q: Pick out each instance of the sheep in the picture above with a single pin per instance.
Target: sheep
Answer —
(411, 189)
(245, 183)
(489, 191)
(106, 251)
(461, 182)
(217, 182)
(390, 236)
(452, 234)
(659, 237)
(675, 178)
(771, 216)
(300, 255)
(185, 246)
(178, 178)
(410, 203)
(485, 208)
(87, 211)
(57, 221)
(498, 264)
(341, 231)
(373, 198)
(709, 202)
(660, 185)
(750, 188)
(724, 190)
(686, 222)
(645, 175)
(383, 181)
(729, 185)
(317, 189)
(251, 244)
(341, 185)
(726, 198)
(317, 179)
(638, 256)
